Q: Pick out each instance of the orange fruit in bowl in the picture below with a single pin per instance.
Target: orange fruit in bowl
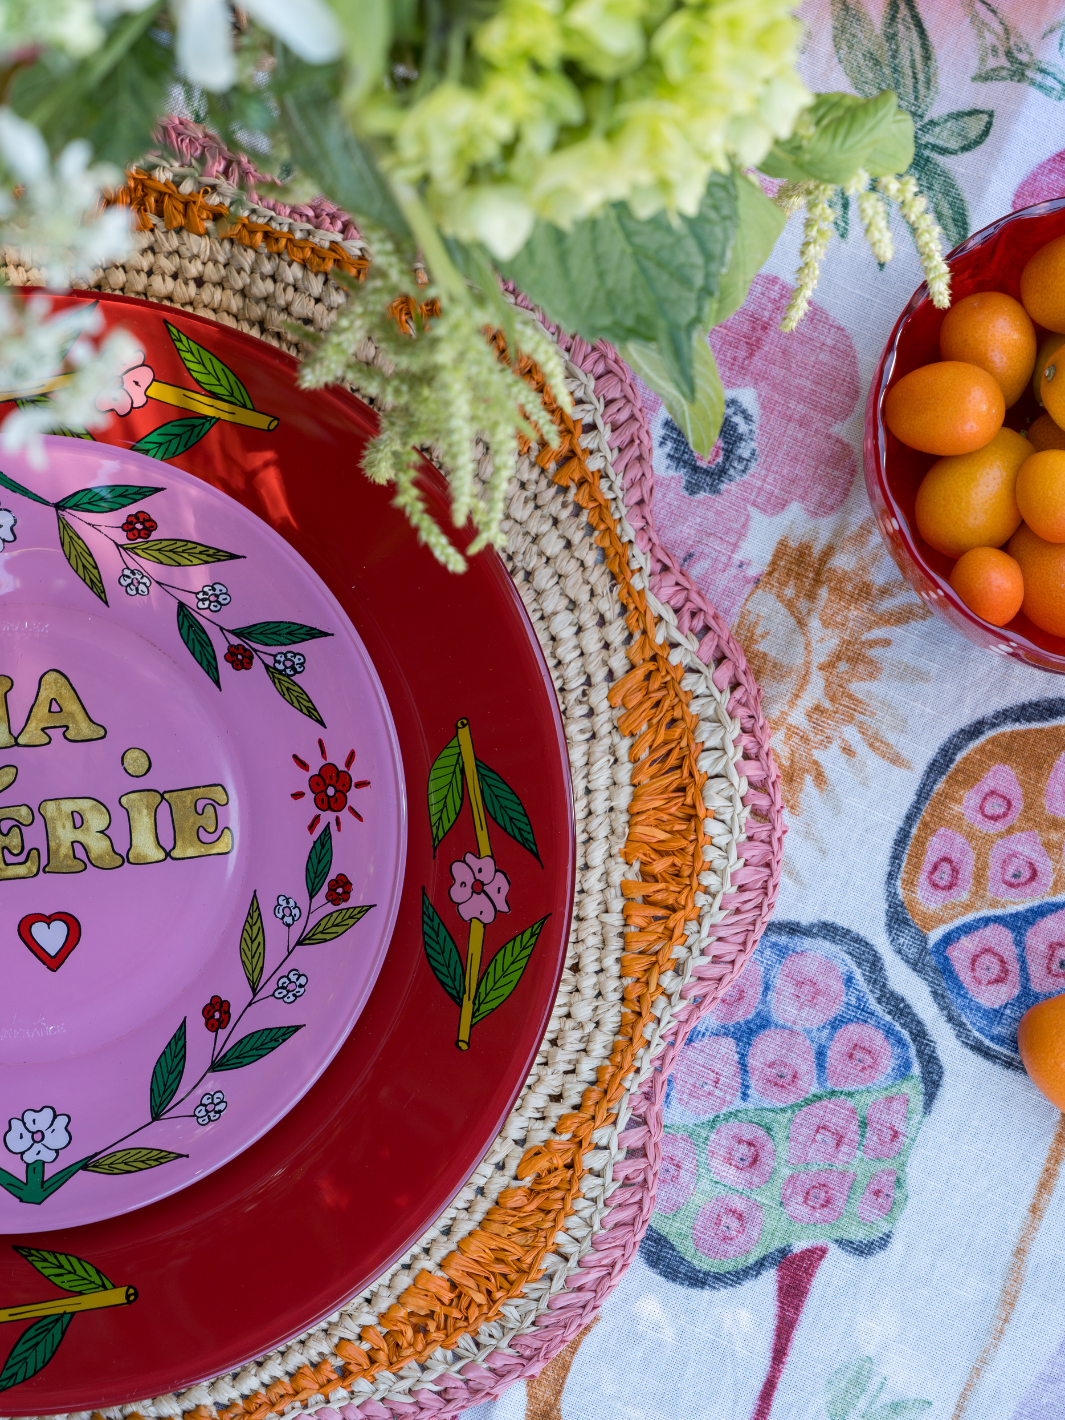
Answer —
(1043, 433)
(1042, 565)
(949, 408)
(1041, 494)
(1048, 346)
(1052, 387)
(969, 500)
(1043, 285)
(990, 584)
(995, 332)
(1041, 1041)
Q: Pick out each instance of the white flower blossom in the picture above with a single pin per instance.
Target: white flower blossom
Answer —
(290, 662)
(213, 597)
(211, 1107)
(290, 987)
(38, 1135)
(287, 910)
(135, 582)
(7, 525)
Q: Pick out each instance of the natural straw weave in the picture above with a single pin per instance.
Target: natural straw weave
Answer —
(679, 834)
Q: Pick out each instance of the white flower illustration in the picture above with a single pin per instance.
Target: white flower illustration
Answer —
(290, 662)
(290, 987)
(287, 910)
(213, 597)
(135, 582)
(210, 1107)
(38, 1135)
(7, 525)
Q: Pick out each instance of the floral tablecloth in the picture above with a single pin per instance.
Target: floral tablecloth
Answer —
(860, 1209)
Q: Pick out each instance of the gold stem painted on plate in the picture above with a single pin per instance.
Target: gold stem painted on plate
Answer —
(193, 400)
(475, 945)
(56, 1306)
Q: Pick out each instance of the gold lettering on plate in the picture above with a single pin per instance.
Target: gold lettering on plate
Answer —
(70, 714)
(189, 818)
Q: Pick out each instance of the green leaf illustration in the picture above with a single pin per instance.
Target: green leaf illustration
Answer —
(76, 551)
(252, 1047)
(180, 552)
(291, 690)
(175, 438)
(13, 487)
(441, 951)
(506, 808)
(106, 499)
(944, 197)
(319, 861)
(446, 789)
(699, 420)
(198, 640)
(64, 431)
(957, 132)
(1006, 55)
(911, 58)
(71, 1273)
(280, 633)
(57, 1180)
(841, 213)
(334, 924)
(167, 1072)
(504, 971)
(860, 50)
(208, 371)
(132, 1161)
(253, 944)
(34, 1349)
(13, 1185)
(846, 1386)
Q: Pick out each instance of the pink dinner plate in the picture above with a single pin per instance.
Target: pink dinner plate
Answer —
(255, 1252)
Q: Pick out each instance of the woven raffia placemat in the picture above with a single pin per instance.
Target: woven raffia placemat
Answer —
(678, 828)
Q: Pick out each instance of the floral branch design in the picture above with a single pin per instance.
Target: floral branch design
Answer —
(479, 887)
(39, 1135)
(266, 642)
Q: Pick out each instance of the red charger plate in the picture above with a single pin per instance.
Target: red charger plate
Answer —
(240, 1262)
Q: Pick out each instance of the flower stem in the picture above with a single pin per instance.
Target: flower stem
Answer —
(475, 944)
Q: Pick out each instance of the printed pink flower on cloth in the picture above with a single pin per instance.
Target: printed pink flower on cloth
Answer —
(1044, 950)
(728, 1226)
(129, 389)
(986, 963)
(1043, 182)
(707, 1080)
(817, 1196)
(995, 802)
(741, 999)
(809, 990)
(879, 1197)
(479, 889)
(1055, 792)
(781, 1065)
(741, 1154)
(824, 1133)
(676, 1173)
(1019, 870)
(947, 870)
(859, 1055)
(885, 1127)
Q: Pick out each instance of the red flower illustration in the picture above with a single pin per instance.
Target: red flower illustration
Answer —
(330, 787)
(240, 658)
(139, 526)
(339, 889)
(216, 1014)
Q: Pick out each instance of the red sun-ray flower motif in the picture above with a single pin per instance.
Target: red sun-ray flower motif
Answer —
(330, 786)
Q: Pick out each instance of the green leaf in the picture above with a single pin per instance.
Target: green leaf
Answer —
(860, 50)
(841, 212)
(208, 371)
(445, 792)
(291, 690)
(280, 633)
(252, 1047)
(175, 438)
(13, 487)
(367, 27)
(180, 552)
(198, 640)
(910, 57)
(847, 133)
(504, 971)
(167, 1072)
(319, 861)
(64, 431)
(944, 197)
(846, 1386)
(699, 420)
(57, 1180)
(1005, 55)
(441, 951)
(76, 551)
(619, 279)
(106, 499)
(759, 224)
(132, 1161)
(503, 805)
(957, 132)
(898, 1410)
(334, 924)
(253, 944)
(13, 1185)
(71, 1273)
(34, 1349)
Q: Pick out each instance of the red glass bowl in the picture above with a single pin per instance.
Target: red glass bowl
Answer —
(990, 260)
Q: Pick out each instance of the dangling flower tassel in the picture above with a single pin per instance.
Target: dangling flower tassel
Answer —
(817, 229)
(790, 196)
(927, 236)
(874, 214)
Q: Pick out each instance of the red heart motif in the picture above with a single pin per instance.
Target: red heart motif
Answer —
(50, 939)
